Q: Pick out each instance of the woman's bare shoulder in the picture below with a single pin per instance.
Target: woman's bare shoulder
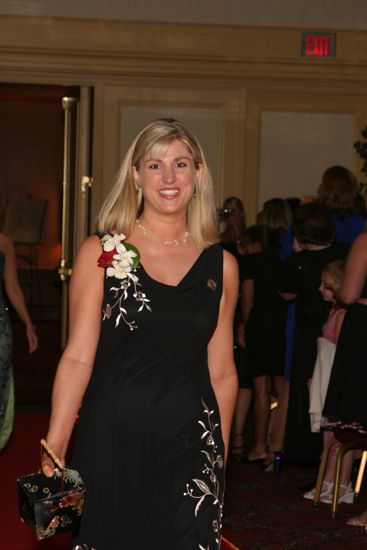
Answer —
(91, 244)
(230, 263)
(360, 241)
(358, 250)
(89, 251)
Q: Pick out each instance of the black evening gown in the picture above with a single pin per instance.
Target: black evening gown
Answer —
(149, 444)
(302, 276)
(346, 402)
(265, 328)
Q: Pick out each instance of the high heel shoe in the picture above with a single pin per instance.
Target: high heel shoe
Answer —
(347, 496)
(326, 491)
(278, 459)
(238, 444)
(275, 465)
(252, 460)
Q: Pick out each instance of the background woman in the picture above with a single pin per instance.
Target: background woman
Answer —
(264, 313)
(156, 376)
(233, 239)
(277, 215)
(314, 234)
(234, 218)
(345, 404)
(8, 275)
(339, 192)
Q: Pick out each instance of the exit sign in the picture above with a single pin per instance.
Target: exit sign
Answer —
(318, 45)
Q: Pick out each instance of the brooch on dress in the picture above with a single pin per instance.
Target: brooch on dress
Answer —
(211, 284)
(120, 259)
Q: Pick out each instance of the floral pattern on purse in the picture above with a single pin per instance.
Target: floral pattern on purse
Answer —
(51, 505)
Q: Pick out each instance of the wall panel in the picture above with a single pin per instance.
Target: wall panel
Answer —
(296, 148)
(215, 116)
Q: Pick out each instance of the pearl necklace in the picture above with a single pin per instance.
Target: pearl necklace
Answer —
(165, 242)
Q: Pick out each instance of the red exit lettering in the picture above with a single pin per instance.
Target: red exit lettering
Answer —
(318, 45)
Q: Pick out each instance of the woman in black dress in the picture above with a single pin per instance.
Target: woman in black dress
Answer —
(233, 239)
(345, 403)
(314, 234)
(150, 355)
(264, 313)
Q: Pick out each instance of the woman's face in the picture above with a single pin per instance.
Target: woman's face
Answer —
(168, 182)
(325, 287)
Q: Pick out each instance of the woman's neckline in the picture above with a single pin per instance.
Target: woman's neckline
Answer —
(183, 278)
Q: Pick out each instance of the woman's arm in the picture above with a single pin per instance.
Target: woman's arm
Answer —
(355, 272)
(14, 292)
(76, 364)
(222, 369)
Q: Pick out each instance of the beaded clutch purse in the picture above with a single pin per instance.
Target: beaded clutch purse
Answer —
(51, 505)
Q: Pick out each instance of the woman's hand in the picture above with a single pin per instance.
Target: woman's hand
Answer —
(32, 338)
(47, 464)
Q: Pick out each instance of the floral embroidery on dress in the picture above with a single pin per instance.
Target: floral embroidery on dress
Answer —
(209, 487)
(121, 259)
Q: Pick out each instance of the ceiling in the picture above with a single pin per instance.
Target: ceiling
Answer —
(321, 14)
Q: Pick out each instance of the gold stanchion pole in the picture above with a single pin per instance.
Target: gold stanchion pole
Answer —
(68, 104)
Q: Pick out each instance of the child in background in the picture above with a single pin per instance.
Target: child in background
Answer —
(314, 249)
(331, 279)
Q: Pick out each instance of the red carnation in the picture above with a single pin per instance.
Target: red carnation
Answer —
(105, 259)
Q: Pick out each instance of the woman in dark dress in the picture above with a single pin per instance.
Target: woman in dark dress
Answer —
(277, 214)
(314, 233)
(233, 239)
(346, 404)
(150, 354)
(9, 279)
(264, 313)
(345, 400)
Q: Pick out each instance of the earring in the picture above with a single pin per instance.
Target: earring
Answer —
(195, 191)
(139, 193)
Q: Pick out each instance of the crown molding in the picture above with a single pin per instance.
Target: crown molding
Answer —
(85, 51)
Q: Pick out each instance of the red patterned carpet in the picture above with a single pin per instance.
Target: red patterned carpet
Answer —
(262, 512)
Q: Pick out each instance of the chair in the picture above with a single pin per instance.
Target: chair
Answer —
(344, 441)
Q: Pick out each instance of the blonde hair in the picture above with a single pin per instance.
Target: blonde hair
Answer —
(122, 206)
(336, 270)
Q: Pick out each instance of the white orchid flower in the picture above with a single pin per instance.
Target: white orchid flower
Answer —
(110, 242)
